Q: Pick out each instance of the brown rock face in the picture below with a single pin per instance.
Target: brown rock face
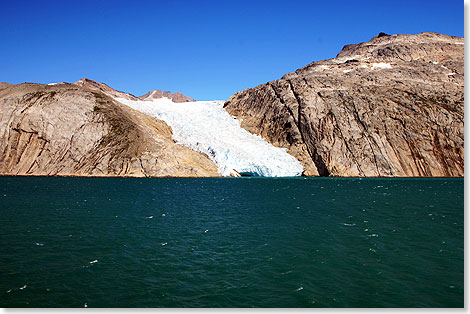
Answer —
(4, 85)
(176, 97)
(393, 106)
(90, 84)
(70, 129)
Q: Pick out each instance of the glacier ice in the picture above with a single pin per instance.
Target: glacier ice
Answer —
(206, 127)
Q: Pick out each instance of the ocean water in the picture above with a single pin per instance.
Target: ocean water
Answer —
(231, 242)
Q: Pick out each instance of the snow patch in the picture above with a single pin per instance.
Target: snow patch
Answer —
(381, 65)
(206, 127)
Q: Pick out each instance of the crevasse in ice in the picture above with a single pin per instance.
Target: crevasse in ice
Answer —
(206, 127)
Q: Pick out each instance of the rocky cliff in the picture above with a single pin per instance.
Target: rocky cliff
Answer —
(393, 106)
(77, 129)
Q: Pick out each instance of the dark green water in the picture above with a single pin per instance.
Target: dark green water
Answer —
(241, 242)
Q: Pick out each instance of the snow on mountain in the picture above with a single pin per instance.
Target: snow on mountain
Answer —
(206, 127)
(176, 97)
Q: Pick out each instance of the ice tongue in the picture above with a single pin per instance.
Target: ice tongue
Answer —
(206, 127)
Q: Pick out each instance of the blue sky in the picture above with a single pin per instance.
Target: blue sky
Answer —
(204, 49)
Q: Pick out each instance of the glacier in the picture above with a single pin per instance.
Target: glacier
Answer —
(206, 127)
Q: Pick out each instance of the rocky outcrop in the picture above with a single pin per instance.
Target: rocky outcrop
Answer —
(78, 130)
(393, 106)
(156, 94)
(90, 84)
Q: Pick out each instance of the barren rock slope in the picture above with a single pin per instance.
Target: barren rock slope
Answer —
(68, 129)
(393, 106)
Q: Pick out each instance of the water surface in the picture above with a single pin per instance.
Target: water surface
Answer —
(240, 242)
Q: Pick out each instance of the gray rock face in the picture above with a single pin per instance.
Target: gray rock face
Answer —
(393, 106)
(74, 130)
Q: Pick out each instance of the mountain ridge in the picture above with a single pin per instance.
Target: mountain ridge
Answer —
(392, 106)
(176, 97)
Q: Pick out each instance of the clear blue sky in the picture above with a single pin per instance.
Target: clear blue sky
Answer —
(204, 49)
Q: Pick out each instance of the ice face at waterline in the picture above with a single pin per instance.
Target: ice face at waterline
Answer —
(206, 127)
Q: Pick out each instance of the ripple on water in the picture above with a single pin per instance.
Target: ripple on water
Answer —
(234, 243)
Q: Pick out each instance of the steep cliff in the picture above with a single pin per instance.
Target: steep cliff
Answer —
(75, 129)
(393, 106)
